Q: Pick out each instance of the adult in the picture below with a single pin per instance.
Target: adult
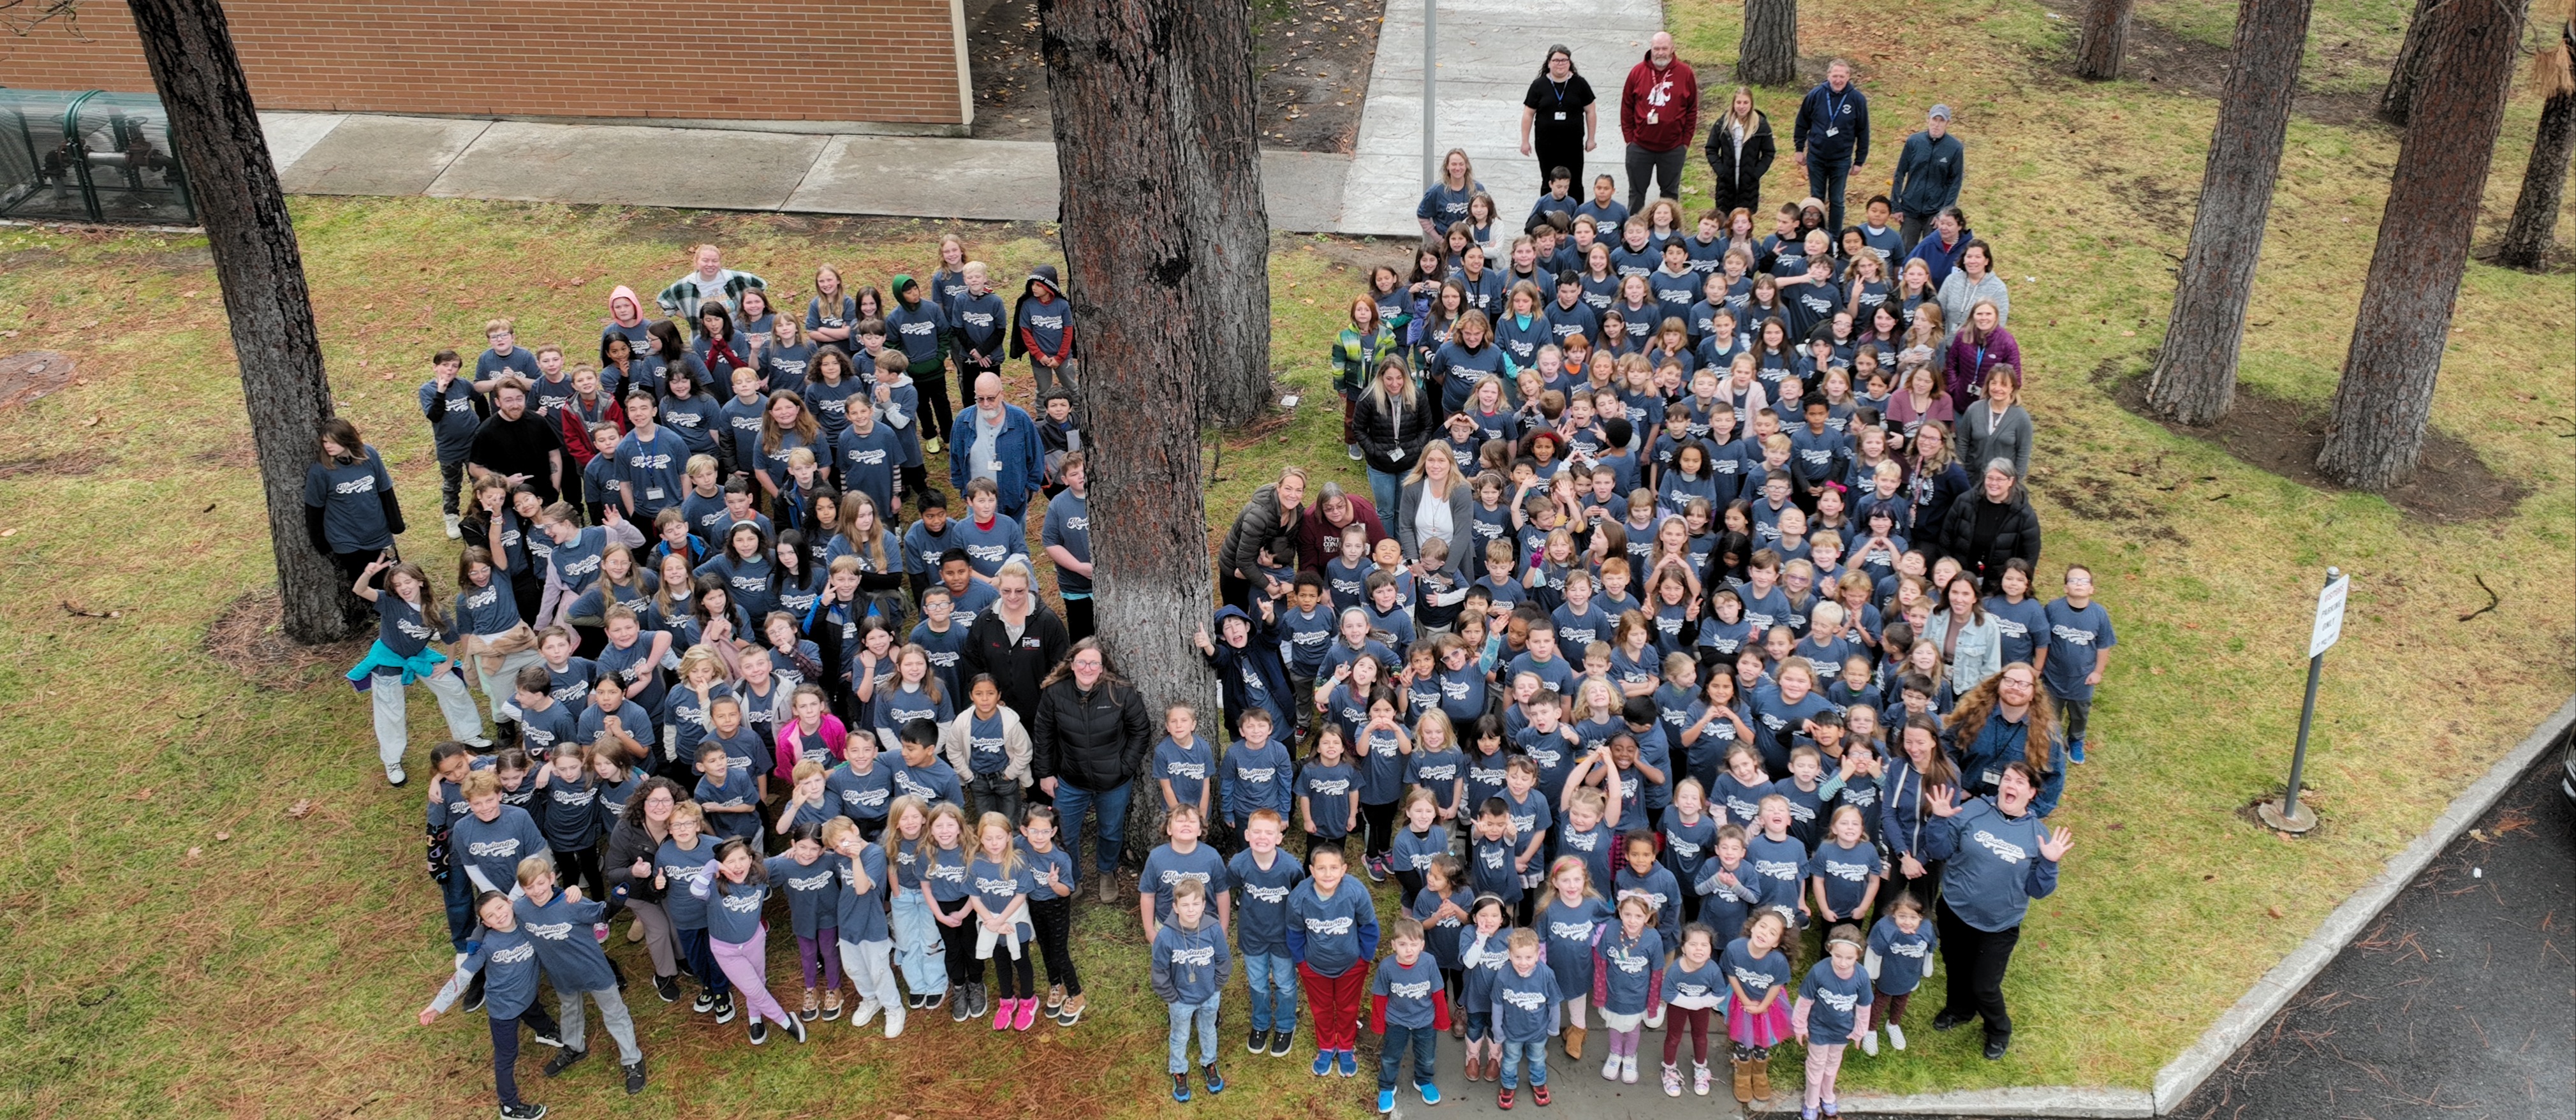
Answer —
(1740, 151)
(1438, 505)
(2000, 857)
(1934, 482)
(1086, 747)
(1996, 427)
(1999, 722)
(1393, 421)
(1832, 138)
(1017, 640)
(1940, 254)
(1992, 526)
(1269, 520)
(1444, 204)
(999, 441)
(708, 281)
(1972, 282)
(1928, 174)
(1970, 640)
(516, 444)
(1658, 117)
(1559, 117)
(351, 512)
(1319, 533)
(632, 844)
(1979, 348)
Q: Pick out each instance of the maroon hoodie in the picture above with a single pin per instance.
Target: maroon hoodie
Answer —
(1669, 96)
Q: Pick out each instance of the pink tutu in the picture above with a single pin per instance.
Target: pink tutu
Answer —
(1766, 1028)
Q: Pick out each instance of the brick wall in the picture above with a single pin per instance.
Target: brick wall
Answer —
(835, 60)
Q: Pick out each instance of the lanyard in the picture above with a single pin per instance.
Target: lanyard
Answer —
(1834, 105)
(1559, 87)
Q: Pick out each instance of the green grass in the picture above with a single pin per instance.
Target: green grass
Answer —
(151, 967)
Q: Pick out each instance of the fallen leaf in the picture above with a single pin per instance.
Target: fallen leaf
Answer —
(195, 852)
(14, 532)
(144, 794)
(187, 295)
(302, 808)
(2274, 911)
(2156, 670)
(92, 422)
(223, 836)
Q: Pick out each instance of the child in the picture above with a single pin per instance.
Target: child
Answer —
(1779, 859)
(1255, 774)
(1694, 986)
(730, 799)
(1590, 828)
(989, 749)
(2071, 662)
(1183, 860)
(1689, 832)
(1248, 663)
(1332, 935)
(811, 888)
(1381, 745)
(559, 924)
(1532, 821)
(1442, 906)
(808, 804)
(943, 874)
(914, 693)
(680, 861)
(1640, 876)
(1628, 982)
(859, 916)
(734, 889)
(999, 881)
(1328, 795)
(1190, 966)
(1846, 870)
(510, 994)
(1900, 959)
(1482, 951)
(917, 943)
(1526, 997)
(1416, 844)
(1410, 1007)
(1833, 1009)
(1051, 880)
(1572, 916)
(408, 620)
(566, 809)
(1757, 1011)
(1183, 762)
(1262, 877)
(923, 774)
(1482, 770)
(1728, 888)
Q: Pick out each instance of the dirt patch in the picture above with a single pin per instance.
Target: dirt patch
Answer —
(36, 373)
(249, 639)
(1311, 58)
(2451, 485)
(72, 465)
(2162, 58)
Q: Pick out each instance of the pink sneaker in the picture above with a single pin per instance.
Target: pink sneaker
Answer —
(1003, 1009)
(1028, 1014)
(600, 931)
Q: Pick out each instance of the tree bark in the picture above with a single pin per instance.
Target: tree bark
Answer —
(1233, 295)
(2385, 400)
(2531, 234)
(1126, 113)
(2408, 71)
(216, 130)
(1768, 53)
(2195, 375)
(2103, 39)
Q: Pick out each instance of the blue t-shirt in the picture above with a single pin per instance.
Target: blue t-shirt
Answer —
(1902, 957)
(1332, 935)
(1846, 873)
(1326, 790)
(1261, 901)
(1834, 1001)
(1187, 766)
(809, 887)
(1255, 778)
(1408, 990)
(860, 917)
(1755, 975)
(2075, 639)
(1168, 867)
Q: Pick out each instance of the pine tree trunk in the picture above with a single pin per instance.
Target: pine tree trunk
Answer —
(2102, 40)
(189, 47)
(2385, 399)
(2530, 235)
(2195, 375)
(2408, 71)
(1126, 114)
(1233, 295)
(1768, 53)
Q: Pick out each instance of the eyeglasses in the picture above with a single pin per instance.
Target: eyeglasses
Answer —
(987, 398)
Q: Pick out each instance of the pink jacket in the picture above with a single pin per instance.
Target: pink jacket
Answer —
(835, 739)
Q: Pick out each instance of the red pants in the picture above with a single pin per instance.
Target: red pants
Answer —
(1334, 1001)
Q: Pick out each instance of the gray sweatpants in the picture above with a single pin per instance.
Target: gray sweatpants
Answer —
(612, 1014)
(393, 727)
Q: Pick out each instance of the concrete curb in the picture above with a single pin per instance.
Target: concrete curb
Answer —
(2272, 991)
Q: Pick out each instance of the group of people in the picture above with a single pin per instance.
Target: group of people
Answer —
(1685, 667)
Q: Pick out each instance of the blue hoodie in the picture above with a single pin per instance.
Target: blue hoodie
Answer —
(1190, 965)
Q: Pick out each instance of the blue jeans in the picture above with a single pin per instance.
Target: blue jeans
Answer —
(1273, 981)
(1385, 488)
(1424, 1042)
(1072, 802)
(1535, 1052)
(1827, 180)
(1183, 1014)
(460, 907)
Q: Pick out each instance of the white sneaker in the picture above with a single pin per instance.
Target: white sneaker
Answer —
(454, 533)
(1353, 450)
(1628, 1069)
(1610, 1069)
(394, 774)
(1869, 1044)
(867, 1010)
(894, 1021)
(478, 742)
(1896, 1036)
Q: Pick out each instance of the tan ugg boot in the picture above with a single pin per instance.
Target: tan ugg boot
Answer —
(1574, 1043)
(1743, 1082)
(1761, 1080)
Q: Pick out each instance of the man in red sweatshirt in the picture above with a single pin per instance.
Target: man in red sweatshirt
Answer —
(1658, 117)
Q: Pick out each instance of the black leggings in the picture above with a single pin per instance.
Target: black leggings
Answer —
(579, 866)
(1976, 960)
(1380, 822)
(1014, 977)
(1054, 919)
(964, 967)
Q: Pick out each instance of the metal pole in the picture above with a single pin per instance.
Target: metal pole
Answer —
(1430, 102)
(2307, 714)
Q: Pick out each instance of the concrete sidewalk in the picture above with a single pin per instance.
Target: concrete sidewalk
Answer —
(719, 169)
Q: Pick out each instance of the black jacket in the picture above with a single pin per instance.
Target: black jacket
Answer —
(1387, 425)
(2013, 532)
(1261, 523)
(1095, 740)
(1016, 667)
(1745, 176)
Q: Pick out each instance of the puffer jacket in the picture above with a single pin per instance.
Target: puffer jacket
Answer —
(1095, 740)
